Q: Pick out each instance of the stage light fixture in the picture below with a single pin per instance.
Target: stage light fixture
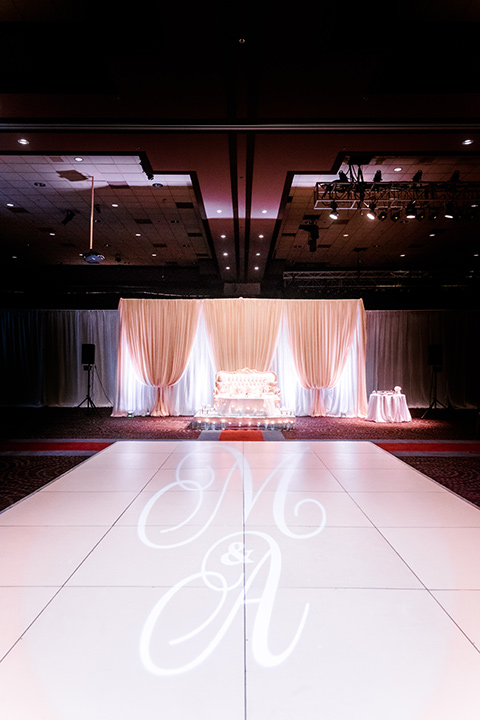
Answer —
(371, 214)
(433, 216)
(421, 215)
(377, 177)
(395, 216)
(455, 176)
(449, 211)
(417, 177)
(411, 212)
(382, 215)
(68, 216)
(333, 211)
(342, 177)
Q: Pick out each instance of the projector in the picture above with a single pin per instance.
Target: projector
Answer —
(93, 257)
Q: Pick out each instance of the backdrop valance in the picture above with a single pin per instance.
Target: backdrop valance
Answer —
(157, 338)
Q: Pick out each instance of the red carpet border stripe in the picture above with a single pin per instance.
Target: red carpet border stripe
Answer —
(438, 448)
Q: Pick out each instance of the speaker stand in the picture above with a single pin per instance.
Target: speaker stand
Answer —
(88, 398)
(435, 402)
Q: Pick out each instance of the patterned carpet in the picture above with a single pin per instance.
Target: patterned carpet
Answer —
(25, 467)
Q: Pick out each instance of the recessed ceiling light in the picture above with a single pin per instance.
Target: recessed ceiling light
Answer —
(10, 205)
(261, 236)
(228, 267)
(225, 254)
(345, 234)
(264, 212)
(154, 254)
(114, 205)
(39, 184)
(397, 169)
(467, 142)
(138, 234)
(219, 211)
(14, 257)
(403, 255)
(157, 185)
(257, 254)
(78, 159)
(256, 267)
(432, 234)
(51, 233)
(223, 237)
(475, 255)
(23, 141)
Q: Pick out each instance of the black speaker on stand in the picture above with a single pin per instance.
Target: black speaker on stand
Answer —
(88, 361)
(435, 360)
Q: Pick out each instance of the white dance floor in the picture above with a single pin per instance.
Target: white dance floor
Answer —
(248, 581)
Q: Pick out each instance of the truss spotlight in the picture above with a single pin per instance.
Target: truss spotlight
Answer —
(421, 215)
(455, 177)
(433, 216)
(333, 212)
(371, 214)
(342, 177)
(411, 212)
(449, 211)
(377, 177)
(395, 216)
(417, 177)
(382, 215)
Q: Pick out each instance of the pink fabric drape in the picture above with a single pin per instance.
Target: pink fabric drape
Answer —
(321, 334)
(243, 332)
(159, 336)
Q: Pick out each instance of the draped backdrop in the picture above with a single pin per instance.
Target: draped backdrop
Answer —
(157, 341)
(40, 361)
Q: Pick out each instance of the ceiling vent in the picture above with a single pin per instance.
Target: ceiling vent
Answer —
(143, 221)
(184, 205)
(192, 234)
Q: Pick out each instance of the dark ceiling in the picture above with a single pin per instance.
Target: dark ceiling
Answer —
(205, 134)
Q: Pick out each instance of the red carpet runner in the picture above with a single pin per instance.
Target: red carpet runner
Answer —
(241, 435)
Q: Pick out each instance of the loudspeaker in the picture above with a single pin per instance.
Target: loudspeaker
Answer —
(88, 354)
(435, 355)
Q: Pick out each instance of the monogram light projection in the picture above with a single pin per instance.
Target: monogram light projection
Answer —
(238, 569)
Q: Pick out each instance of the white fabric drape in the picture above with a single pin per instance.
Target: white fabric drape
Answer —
(41, 356)
(321, 336)
(40, 362)
(237, 333)
(243, 332)
(158, 336)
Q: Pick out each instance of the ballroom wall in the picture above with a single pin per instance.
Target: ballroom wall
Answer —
(40, 355)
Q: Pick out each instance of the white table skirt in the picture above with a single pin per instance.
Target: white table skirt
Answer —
(388, 407)
(242, 406)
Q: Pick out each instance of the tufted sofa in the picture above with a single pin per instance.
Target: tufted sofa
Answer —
(246, 392)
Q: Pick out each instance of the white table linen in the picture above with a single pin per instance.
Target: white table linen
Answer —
(388, 407)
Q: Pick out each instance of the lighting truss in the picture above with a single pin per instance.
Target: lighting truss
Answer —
(388, 195)
(364, 279)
